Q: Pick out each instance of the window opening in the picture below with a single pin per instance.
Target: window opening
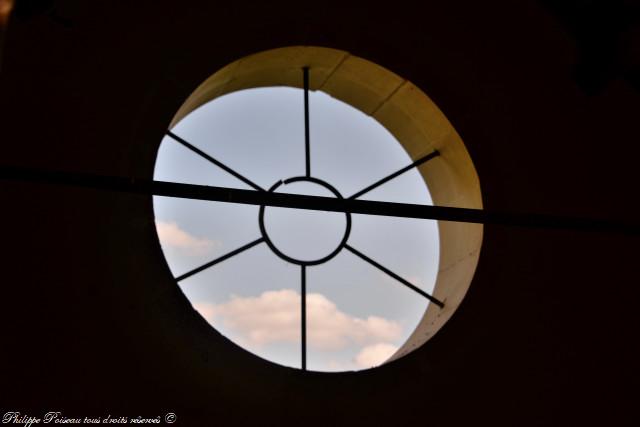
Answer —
(334, 330)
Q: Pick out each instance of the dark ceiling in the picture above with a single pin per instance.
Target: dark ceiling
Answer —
(545, 96)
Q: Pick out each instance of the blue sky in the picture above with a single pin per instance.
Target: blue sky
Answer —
(357, 315)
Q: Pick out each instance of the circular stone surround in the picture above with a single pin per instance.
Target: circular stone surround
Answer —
(281, 253)
(411, 117)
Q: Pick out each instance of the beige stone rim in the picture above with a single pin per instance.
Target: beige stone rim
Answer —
(414, 120)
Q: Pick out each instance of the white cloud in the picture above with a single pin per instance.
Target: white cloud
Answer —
(205, 309)
(172, 235)
(374, 355)
(274, 317)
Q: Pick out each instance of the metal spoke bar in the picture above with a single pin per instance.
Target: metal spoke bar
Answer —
(220, 259)
(307, 144)
(303, 314)
(232, 195)
(214, 161)
(395, 276)
(388, 178)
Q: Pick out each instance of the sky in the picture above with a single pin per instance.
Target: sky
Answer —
(357, 315)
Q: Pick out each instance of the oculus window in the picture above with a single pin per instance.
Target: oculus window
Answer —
(310, 289)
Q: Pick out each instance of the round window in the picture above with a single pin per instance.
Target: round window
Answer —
(311, 289)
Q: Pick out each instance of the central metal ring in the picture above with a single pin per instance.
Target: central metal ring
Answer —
(284, 256)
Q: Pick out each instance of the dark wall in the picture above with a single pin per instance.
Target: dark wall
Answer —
(92, 323)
